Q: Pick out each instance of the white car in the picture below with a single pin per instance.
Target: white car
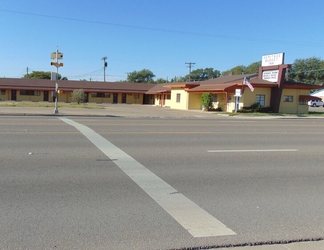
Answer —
(316, 103)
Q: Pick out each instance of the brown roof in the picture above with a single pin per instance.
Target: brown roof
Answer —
(158, 88)
(220, 84)
(308, 98)
(87, 86)
(300, 85)
(229, 79)
(213, 87)
(229, 83)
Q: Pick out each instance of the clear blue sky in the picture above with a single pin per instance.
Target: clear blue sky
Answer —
(157, 35)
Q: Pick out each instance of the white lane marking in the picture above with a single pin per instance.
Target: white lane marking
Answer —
(194, 219)
(251, 150)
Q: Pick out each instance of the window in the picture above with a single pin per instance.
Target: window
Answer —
(178, 97)
(260, 99)
(215, 98)
(168, 97)
(288, 98)
(303, 102)
(100, 94)
(3, 91)
(29, 92)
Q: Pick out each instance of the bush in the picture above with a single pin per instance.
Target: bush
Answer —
(78, 95)
(207, 101)
(255, 107)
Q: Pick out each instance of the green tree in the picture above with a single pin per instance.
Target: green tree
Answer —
(178, 79)
(309, 70)
(238, 70)
(253, 68)
(161, 80)
(78, 95)
(42, 75)
(203, 74)
(144, 75)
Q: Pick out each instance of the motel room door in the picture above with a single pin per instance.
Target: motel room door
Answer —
(123, 98)
(45, 96)
(162, 100)
(115, 98)
(13, 95)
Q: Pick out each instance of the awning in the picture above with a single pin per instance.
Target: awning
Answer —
(308, 98)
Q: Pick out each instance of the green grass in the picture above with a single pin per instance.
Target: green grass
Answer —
(50, 105)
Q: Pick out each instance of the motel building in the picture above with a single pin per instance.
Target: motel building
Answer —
(230, 93)
(269, 88)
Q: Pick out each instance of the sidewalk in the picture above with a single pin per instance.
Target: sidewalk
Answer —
(110, 110)
(128, 110)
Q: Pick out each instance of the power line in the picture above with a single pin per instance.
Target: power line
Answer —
(98, 71)
(253, 39)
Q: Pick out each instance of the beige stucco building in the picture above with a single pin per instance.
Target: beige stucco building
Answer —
(280, 96)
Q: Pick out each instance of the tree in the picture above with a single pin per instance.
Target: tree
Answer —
(178, 79)
(203, 74)
(78, 95)
(144, 75)
(161, 80)
(42, 75)
(309, 70)
(253, 68)
(238, 70)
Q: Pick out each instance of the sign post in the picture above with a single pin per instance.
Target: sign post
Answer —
(56, 55)
(237, 99)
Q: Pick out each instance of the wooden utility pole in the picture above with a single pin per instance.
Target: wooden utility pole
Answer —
(190, 65)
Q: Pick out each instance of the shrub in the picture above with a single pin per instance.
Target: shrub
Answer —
(256, 107)
(207, 100)
(78, 95)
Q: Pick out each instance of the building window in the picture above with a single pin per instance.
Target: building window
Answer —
(30, 92)
(260, 99)
(3, 91)
(288, 98)
(168, 97)
(178, 97)
(136, 96)
(215, 98)
(101, 94)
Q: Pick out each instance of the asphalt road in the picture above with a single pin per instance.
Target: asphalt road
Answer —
(257, 180)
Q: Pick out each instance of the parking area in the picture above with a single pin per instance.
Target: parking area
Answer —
(316, 109)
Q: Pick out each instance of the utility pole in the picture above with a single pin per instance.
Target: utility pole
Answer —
(27, 73)
(190, 65)
(105, 66)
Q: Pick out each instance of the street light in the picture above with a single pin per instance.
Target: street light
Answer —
(57, 56)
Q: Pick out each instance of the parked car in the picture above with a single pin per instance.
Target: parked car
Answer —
(316, 103)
